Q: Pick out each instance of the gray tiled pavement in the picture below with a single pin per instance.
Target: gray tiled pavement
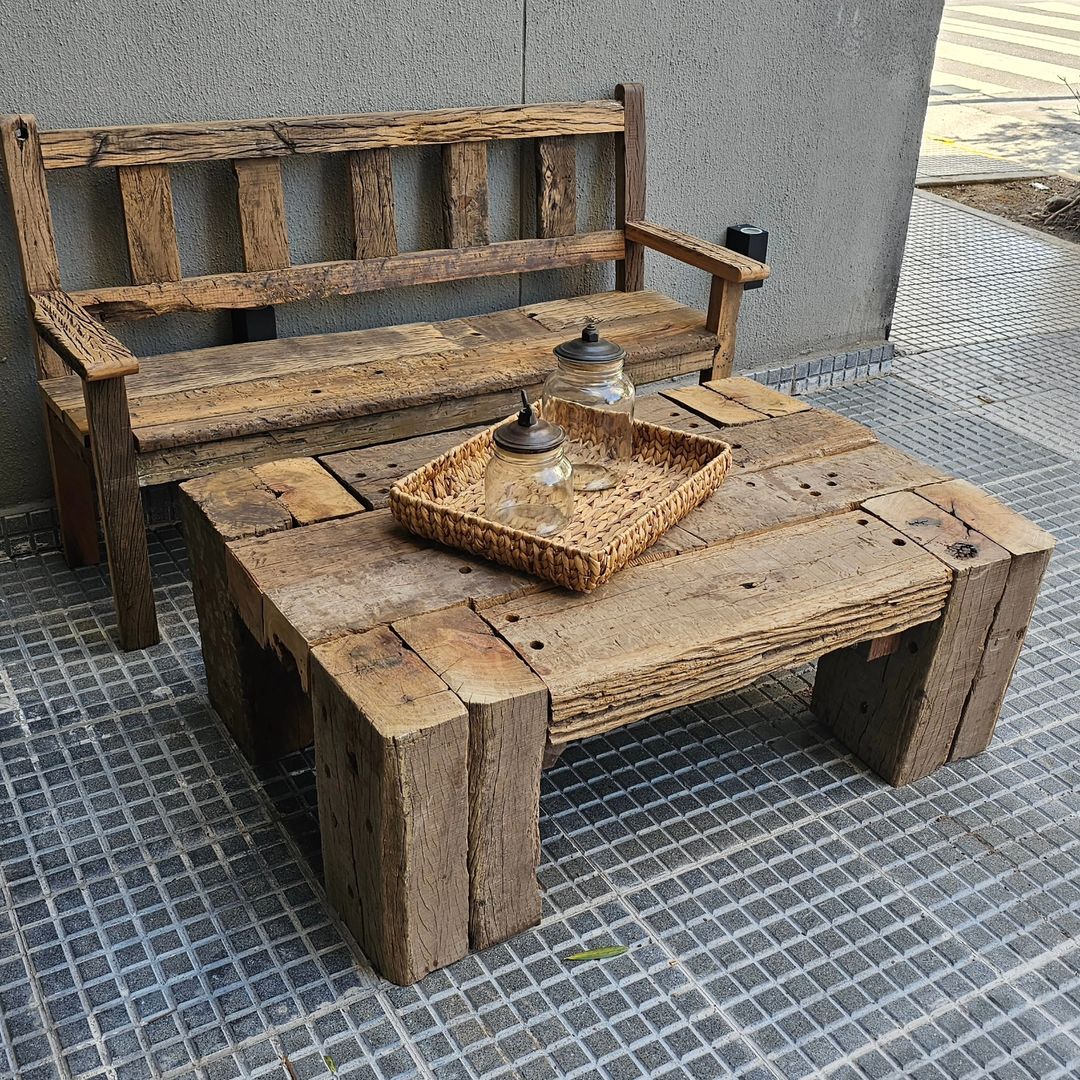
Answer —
(788, 914)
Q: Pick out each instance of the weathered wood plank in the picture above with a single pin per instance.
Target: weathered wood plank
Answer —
(20, 148)
(752, 502)
(259, 699)
(1030, 548)
(371, 195)
(391, 755)
(369, 473)
(393, 383)
(73, 483)
(318, 281)
(146, 196)
(508, 717)
(712, 406)
(630, 183)
(120, 504)
(304, 488)
(785, 597)
(785, 440)
(719, 261)
(725, 298)
(465, 194)
(83, 343)
(283, 136)
(656, 409)
(575, 311)
(556, 186)
(901, 711)
(754, 395)
(260, 198)
(305, 586)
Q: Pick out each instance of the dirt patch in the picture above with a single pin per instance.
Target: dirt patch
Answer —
(1016, 200)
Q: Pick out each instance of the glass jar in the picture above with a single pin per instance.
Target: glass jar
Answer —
(528, 480)
(592, 398)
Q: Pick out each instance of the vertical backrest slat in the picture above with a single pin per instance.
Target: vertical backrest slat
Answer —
(146, 195)
(371, 191)
(465, 194)
(556, 186)
(630, 182)
(21, 150)
(261, 199)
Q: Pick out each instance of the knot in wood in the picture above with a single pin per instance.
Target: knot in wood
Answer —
(963, 550)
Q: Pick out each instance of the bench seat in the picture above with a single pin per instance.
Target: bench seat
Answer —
(195, 411)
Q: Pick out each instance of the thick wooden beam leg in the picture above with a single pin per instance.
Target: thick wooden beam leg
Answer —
(391, 758)
(903, 705)
(73, 484)
(508, 721)
(113, 449)
(725, 297)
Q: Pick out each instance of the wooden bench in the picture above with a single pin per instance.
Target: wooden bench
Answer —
(434, 684)
(114, 422)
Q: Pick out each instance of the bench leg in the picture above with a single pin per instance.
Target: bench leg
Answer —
(73, 484)
(909, 703)
(391, 760)
(113, 449)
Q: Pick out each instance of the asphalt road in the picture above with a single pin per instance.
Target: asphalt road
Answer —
(996, 87)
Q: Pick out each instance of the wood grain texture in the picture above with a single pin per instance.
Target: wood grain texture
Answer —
(318, 281)
(371, 199)
(73, 484)
(370, 472)
(306, 586)
(556, 186)
(306, 490)
(391, 756)
(120, 505)
(508, 719)
(84, 344)
(607, 659)
(630, 183)
(719, 261)
(754, 395)
(900, 712)
(712, 406)
(260, 198)
(146, 196)
(1030, 548)
(785, 440)
(20, 147)
(259, 699)
(465, 194)
(725, 299)
(283, 136)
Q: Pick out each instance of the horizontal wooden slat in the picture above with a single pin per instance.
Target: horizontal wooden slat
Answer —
(282, 136)
(318, 281)
(86, 346)
(720, 261)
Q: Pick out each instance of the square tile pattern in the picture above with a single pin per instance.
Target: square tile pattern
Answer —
(787, 914)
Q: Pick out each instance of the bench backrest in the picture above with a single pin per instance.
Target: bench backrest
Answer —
(142, 157)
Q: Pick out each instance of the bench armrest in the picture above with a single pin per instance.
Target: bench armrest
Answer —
(80, 340)
(719, 261)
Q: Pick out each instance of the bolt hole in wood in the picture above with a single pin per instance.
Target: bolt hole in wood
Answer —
(832, 474)
(863, 521)
(830, 483)
(816, 494)
(316, 391)
(464, 569)
(384, 491)
(513, 618)
(900, 541)
(750, 483)
(749, 584)
(805, 487)
(536, 644)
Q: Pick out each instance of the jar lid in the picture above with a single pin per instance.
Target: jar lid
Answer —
(528, 433)
(590, 348)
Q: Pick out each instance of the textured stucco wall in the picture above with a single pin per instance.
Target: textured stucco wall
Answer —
(800, 117)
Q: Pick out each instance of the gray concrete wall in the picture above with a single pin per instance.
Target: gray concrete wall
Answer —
(801, 117)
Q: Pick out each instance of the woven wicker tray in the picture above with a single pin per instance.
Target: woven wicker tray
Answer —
(669, 474)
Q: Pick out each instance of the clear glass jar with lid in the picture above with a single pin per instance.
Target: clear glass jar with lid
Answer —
(527, 481)
(592, 398)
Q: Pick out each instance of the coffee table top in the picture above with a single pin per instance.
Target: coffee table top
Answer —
(777, 567)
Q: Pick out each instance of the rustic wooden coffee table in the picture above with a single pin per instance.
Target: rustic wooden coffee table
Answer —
(434, 684)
